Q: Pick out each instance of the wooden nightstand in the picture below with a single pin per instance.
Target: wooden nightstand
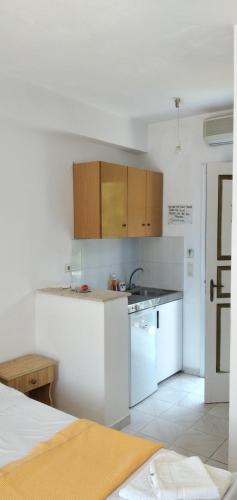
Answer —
(31, 374)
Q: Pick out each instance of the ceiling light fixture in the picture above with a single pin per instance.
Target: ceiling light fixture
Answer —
(177, 101)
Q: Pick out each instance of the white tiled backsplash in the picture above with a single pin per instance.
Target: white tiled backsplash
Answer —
(162, 258)
(95, 260)
(163, 262)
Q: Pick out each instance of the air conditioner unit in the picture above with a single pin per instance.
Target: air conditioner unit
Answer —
(218, 130)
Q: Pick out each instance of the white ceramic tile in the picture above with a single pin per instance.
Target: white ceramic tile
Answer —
(166, 394)
(153, 406)
(215, 463)
(199, 443)
(99, 258)
(182, 415)
(221, 455)
(163, 430)
(195, 401)
(138, 420)
(220, 410)
(151, 438)
(164, 250)
(215, 426)
(185, 382)
(128, 430)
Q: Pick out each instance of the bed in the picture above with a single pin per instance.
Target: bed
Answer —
(24, 423)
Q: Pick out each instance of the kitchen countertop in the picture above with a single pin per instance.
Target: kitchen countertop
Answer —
(93, 295)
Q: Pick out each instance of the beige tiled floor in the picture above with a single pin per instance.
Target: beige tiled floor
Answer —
(177, 416)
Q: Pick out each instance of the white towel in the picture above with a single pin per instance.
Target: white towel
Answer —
(141, 486)
(221, 477)
(185, 479)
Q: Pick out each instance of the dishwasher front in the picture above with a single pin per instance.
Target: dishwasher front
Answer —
(143, 358)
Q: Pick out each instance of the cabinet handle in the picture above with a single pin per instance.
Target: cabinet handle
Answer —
(33, 381)
(148, 224)
(143, 224)
(124, 225)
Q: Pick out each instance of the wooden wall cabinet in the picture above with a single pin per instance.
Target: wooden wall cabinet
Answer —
(116, 201)
(145, 202)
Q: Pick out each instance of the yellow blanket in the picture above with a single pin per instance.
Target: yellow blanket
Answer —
(85, 461)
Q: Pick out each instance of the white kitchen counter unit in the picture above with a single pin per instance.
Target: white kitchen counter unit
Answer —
(89, 338)
(97, 295)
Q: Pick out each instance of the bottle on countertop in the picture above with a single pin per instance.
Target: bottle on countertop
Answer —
(113, 282)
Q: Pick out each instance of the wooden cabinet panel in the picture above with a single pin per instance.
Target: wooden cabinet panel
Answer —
(86, 183)
(113, 201)
(136, 202)
(154, 204)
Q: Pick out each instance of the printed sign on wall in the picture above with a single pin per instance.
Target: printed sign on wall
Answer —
(180, 214)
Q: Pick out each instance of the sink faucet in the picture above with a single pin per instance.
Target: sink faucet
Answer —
(131, 276)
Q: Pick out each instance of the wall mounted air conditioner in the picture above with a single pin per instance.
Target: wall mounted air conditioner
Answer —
(218, 130)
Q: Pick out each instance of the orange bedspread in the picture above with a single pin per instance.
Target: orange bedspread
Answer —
(85, 461)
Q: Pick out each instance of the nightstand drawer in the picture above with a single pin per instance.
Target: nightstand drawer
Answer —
(39, 378)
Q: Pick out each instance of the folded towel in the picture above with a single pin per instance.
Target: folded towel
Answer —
(185, 479)
(222, 478)
(141, 486)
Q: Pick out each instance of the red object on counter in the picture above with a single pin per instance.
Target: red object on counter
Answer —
(84, 288)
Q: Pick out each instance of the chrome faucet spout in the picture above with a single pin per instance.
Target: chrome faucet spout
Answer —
(131, 276)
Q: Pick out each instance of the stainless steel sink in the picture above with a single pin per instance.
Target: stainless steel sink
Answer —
(145, 297)
(149, 292)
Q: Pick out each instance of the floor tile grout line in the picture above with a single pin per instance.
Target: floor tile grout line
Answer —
(218, 449)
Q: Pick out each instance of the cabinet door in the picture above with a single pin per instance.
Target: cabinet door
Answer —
(136, 202)
(86, 187)
(169, 339)
(154, 203)
(113, 201)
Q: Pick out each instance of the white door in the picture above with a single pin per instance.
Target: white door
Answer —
(218, 272)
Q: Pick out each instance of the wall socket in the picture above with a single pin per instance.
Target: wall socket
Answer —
(67, 268)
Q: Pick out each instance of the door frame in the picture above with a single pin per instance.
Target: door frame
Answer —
(203, 267)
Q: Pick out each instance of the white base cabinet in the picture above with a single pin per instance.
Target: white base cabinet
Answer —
(169, 339)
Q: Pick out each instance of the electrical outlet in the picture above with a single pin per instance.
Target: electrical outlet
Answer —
(67, 268)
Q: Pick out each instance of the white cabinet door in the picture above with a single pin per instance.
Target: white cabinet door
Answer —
(169, 339)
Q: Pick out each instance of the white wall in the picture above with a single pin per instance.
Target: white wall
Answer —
(233, 338)
(183, 177)
(36, 218)
(40, 107)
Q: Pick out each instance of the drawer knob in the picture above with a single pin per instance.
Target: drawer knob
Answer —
(33, 381)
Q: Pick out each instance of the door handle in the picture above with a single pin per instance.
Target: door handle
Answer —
(212, 286)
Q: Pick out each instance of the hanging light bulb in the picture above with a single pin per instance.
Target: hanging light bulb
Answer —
(177, 101)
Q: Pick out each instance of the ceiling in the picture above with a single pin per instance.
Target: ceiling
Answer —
(130, 57)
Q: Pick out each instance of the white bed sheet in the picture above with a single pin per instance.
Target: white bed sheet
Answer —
(24, 423)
